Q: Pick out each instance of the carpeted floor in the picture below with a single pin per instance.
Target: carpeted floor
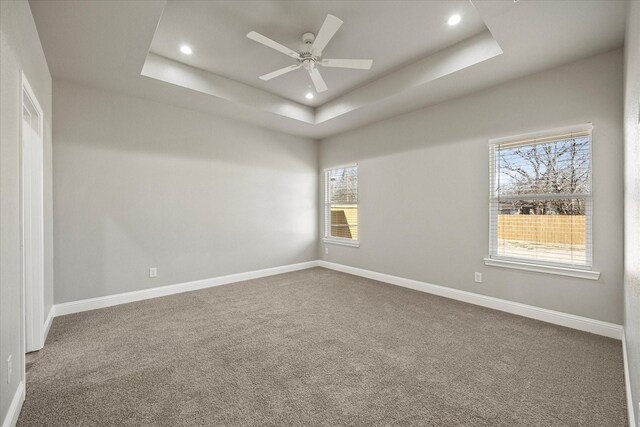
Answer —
(318, 347)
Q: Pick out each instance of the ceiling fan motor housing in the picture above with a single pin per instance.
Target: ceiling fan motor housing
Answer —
(308, 59)
(309, 63)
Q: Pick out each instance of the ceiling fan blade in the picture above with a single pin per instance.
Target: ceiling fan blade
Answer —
(361, 64)
(318, 81)
(272, 44)
(280, 72)
(327, 31)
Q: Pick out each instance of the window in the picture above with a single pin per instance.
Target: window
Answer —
(341, 205)
(540, 199)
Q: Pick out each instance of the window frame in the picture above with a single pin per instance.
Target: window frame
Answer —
(327, 238)
(529, 264)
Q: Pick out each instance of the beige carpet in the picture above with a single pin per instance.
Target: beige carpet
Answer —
(317, 347)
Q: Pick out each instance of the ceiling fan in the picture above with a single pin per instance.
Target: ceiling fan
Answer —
(310, 55)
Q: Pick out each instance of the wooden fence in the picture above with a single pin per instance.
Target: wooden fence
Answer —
(344, 221)
(560, 229)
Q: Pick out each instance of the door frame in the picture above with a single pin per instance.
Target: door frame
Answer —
(32, 292)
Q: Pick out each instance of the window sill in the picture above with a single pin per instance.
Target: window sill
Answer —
(562, 271)
(345, 242)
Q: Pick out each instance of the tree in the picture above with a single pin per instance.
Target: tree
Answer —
(550, 168)
(344, 185)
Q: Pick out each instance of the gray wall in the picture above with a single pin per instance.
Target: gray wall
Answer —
(20, 49)
(140, 184)
(632, 201)
(423, 187)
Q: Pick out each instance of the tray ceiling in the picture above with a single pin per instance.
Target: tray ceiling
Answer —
(418, 60)
(392, 33)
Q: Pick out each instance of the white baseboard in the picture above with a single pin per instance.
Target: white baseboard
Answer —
(161, 291)
(13, 413)
(627, 381)
(558, 318)
(47, 323)
(597, 327)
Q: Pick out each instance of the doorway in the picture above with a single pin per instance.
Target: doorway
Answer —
(32, 192)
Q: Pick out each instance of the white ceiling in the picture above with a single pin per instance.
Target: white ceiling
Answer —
(107, 44)
(392, 33)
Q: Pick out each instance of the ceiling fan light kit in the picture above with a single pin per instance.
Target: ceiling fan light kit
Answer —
(310, 54)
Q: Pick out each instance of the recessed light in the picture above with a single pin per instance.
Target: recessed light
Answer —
(186, 49)
(309, 95)
(454, 19)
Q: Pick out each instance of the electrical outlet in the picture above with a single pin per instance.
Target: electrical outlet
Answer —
(9, 368)
(326, 250)
(477, 277)
(153, 272)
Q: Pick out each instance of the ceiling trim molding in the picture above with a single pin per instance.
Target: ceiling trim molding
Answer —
(176, 73)
(464, 54)
(447, 61)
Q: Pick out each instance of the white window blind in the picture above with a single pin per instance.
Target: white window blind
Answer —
(540, 198)
(341, 204)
